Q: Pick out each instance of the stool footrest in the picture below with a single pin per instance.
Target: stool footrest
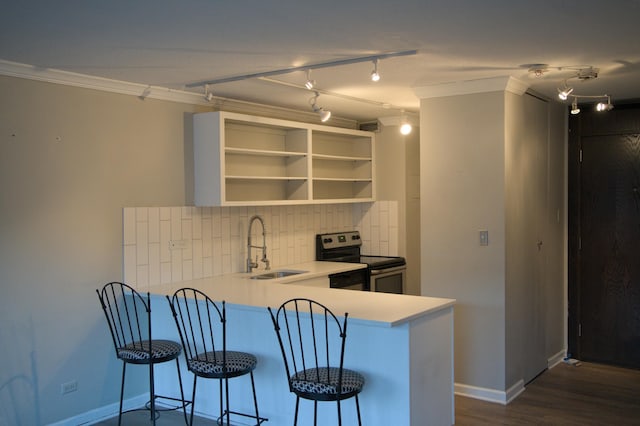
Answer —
(260, 420)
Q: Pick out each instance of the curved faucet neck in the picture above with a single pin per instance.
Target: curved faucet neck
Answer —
(251, 264)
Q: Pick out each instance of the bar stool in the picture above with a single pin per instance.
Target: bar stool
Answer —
(129, 317)
(199, 319)
(313, 343)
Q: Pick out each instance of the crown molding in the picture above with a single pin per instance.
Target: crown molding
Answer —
(468, 87)
(50, 75)
(398, 120)
(55, 76)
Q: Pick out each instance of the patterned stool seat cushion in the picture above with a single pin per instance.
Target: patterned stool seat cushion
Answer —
(161, 350)
(210, 364)
(324, 381)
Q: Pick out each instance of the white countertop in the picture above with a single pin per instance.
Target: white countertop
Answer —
(380, 308)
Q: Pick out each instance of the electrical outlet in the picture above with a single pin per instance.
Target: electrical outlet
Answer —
(68, 387)
(178, 244)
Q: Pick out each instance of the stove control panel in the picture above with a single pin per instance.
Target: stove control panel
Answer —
(339, 239)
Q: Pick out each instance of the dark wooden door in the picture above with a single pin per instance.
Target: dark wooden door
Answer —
(609, 265)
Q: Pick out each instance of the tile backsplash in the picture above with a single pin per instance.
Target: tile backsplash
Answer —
(170, 244)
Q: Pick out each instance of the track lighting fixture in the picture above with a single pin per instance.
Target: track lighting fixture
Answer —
(313, 66)
(574, 107)
(323, 113)
(583, 74)
(145, 93)
(309, 84)
(601, 106)
(208, 96)
(564, 92)
(538, 70)
(375, 76)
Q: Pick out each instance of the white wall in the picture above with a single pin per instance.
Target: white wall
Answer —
(71, 159)
(398, 179)
(462, 192)
(477, 172)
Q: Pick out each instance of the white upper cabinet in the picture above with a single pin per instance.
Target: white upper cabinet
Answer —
(249, 160)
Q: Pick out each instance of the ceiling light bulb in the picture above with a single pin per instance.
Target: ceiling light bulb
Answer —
(405, 128)
(374, 74)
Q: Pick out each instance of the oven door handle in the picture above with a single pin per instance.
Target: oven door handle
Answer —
(388, 270)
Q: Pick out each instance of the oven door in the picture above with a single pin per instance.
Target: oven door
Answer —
(390, 280)
(351, 280)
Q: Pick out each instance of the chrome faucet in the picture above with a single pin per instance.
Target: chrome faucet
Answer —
(250, 264)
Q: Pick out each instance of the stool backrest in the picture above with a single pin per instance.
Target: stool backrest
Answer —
(310, 337)
(201, 324)
(128, 314)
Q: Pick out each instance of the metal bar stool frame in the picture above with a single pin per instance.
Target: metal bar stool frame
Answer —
(310, 368)
(197, 317)
(126, 312)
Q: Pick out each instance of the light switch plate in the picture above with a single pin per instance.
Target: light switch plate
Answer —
(484, 237)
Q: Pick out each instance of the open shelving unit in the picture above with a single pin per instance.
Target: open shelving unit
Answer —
(249, 160)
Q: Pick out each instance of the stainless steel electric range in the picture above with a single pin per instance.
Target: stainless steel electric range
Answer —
(385, 274)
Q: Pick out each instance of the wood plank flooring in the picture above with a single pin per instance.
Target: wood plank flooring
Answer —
(590, 394)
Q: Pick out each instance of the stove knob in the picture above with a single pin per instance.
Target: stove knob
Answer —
(355, 237)
(327, 240)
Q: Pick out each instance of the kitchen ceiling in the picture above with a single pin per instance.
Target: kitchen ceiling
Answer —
(171, 44)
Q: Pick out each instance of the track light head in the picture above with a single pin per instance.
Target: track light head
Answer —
(405, 128)
(375, 76)
(601, 106)
(208, 96)
(309, 84)
(323, 113)
(564, 92)
(574, 107)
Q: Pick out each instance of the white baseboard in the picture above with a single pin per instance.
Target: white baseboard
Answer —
(556, 359)
(490, 395)
(111, 410)
(502, 397)
(103, 413)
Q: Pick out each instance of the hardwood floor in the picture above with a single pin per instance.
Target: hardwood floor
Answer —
(590, 394)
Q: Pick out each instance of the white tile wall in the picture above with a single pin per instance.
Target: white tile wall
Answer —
(378, 226)
(210, 241)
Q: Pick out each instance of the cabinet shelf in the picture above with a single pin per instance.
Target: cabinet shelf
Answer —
(319, 179)
(263, 153)
(339, 157)
(248, 160)
(231, 177)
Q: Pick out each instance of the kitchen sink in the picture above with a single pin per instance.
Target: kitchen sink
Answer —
(276, 274)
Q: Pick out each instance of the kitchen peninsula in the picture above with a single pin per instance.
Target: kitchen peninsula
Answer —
(402, 344)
